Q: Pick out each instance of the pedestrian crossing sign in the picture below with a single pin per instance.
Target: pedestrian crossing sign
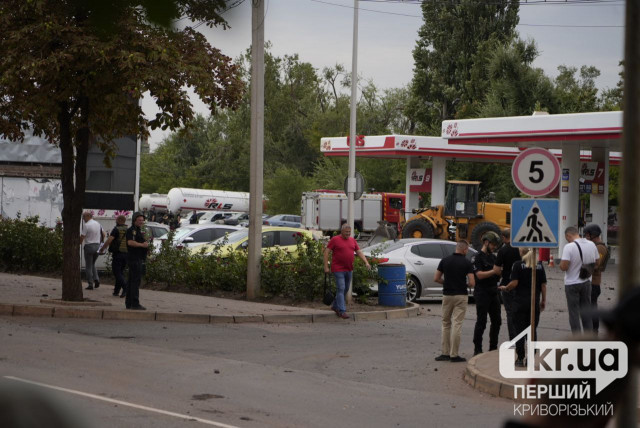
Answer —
(535, 223)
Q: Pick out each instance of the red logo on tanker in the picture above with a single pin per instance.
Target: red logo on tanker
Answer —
(213, 204)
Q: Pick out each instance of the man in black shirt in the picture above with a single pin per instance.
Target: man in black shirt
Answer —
(136, 254)
(458, 276)
(507, 256)
(486, 293)
(117, 245)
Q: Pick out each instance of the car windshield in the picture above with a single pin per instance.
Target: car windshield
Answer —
(234, 237)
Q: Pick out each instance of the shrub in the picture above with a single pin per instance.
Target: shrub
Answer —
(26, 245)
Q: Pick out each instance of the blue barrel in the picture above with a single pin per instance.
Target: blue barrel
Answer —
(392, 289)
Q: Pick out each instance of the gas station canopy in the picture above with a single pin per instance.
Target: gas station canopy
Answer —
(588, 130)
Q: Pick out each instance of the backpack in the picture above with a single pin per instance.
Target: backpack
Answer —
(605, 257)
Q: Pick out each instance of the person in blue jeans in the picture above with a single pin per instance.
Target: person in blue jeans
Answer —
(342, 249)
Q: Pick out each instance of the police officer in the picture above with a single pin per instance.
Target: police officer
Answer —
(486, 293)
(136, 254)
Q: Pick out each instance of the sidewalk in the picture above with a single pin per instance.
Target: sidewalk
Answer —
(37, 296)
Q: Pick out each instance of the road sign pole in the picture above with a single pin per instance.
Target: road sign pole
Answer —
(533, 297)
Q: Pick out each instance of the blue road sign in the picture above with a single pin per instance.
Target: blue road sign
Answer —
(535, 223)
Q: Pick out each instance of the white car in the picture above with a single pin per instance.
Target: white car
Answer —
(215, 216)
(421, 258)
(197, 234)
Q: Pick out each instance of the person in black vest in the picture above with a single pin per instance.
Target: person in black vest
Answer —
(507, 256)
(117, 245)
(520, 284)
(486, 293)
(458, 276)
(137, 247)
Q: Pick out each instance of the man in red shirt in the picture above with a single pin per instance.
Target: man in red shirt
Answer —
(343, 248)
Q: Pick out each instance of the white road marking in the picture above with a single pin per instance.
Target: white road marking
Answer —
(123, 403)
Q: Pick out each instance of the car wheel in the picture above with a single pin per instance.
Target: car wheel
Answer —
(414, 289)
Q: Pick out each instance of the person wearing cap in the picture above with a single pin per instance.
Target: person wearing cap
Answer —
(137, 248)
(592, 232)
(576, 252)
(486, 293)
(117, 245)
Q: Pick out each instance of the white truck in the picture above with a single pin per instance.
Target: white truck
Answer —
(326, 211)
(184, 199)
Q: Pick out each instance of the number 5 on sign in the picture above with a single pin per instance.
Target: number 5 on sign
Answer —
(536, 172)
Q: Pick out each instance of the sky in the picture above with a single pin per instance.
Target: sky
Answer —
(572, 33)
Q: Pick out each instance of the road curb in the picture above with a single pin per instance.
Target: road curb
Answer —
(486, 383)
(83, 312)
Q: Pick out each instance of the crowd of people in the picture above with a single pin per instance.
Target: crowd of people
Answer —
(505, 279)
(170, 219)
(128, 247)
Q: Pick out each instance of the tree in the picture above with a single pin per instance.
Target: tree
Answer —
(611, 99)
(576, 94)
(449, 41)
(76, 84)
(513, 86)
(284, 190)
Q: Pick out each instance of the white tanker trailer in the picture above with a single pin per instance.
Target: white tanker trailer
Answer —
(184, 199)
(155, 201)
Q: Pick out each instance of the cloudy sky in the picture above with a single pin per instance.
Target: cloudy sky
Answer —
(573, 33)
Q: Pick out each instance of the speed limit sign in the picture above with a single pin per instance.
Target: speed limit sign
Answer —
(536, 172)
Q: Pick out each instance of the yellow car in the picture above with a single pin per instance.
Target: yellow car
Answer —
(284, 238)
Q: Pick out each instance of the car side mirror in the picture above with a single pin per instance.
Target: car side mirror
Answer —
(187, 239)
(244, 245)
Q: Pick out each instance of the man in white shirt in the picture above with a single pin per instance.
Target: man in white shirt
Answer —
(91, 236)
(577, 290)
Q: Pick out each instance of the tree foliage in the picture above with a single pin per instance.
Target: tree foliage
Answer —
(76, 83)
(450, 42)
(302, 105)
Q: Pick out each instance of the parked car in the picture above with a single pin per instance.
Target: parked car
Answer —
(216, 216)
(156, 229)
(191, 217)
(421, 258)
(235, 219)
(285, 238)
(198, 234)
(287, 220)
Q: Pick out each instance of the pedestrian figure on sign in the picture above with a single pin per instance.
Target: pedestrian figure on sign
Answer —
(532, 222)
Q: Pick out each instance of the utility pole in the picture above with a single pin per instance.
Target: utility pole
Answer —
(351, 179)
(257, 149)
(629, 273)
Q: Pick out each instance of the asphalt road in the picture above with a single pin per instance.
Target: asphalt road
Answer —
(374, 374)
(144, 374)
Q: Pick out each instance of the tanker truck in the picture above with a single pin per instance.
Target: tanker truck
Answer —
(153, 201)
(180, 198)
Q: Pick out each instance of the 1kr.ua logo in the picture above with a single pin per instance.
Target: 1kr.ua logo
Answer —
(602, 361)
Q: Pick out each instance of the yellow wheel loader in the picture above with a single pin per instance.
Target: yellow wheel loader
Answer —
(471, 219)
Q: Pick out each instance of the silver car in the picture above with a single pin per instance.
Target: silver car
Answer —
(421, 258)
(287, 220)
(198, 234)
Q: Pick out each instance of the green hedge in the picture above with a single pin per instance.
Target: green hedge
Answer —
(28, 246)
(299, 277)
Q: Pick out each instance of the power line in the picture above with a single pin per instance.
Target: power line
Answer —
(519, 25)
